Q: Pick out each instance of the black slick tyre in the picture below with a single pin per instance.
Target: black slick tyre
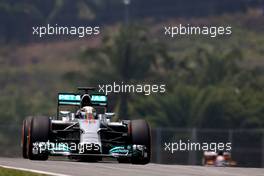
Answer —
(24, 137)
(39, 131)
(140, 135)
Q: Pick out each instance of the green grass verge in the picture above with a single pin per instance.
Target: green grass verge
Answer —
(13, 172)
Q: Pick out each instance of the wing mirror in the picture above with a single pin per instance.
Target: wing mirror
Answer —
(65, 112)
(109, 115)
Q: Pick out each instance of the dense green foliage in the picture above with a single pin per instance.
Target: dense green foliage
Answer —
(210, 83)
(18, 16)
(208, 87)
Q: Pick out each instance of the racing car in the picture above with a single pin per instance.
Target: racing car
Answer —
(83, 129)
(220, 159)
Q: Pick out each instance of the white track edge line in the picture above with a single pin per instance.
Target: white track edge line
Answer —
(32, 170)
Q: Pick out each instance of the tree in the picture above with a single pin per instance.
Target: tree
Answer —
(130, 57)
(208, 66)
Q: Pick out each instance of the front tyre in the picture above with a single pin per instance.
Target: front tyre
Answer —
(140, 135)
(24, 137)
(39, 131)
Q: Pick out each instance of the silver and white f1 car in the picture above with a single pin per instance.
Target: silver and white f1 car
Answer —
(83, 130)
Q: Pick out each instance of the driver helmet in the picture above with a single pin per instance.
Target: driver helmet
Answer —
(87, 112)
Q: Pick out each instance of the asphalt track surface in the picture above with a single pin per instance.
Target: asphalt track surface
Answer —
(67, 168)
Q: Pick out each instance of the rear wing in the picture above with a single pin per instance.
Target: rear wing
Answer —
(69, 99)
(75, 99)
(97, 99)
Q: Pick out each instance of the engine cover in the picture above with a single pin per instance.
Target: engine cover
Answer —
(89, 137)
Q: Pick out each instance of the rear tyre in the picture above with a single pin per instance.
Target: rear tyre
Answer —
(140, 135)
(24, 137)
(39, 131)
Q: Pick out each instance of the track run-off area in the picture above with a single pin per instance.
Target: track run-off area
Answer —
(107, 168)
